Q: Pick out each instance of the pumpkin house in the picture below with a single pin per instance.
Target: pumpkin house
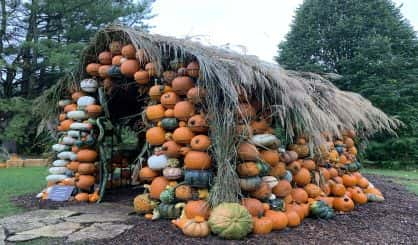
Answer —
(221, 139)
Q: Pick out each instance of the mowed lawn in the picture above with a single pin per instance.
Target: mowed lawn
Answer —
(19, 181)
(408, 178)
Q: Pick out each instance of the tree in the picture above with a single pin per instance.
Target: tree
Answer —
(375, 49)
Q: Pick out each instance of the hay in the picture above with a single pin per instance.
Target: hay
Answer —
(302, 103)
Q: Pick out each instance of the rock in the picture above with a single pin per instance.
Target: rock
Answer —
(58, 230)
(99, 231)
(101, 208)
(2, 235)
(97, 218)
(33, 219)
(22, 237)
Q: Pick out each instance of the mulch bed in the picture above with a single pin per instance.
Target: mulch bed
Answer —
(391, 222)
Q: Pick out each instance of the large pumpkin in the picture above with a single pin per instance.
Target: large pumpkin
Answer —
(85, 182)
(157, 186)
(254, 206)
(230, 221)
(197, 208)
(129, 67)
(183, 110)
(86, 168)
(197, 160)
(155, 112)
(344, 204)
(183, 135)
(299, 195)
(86, 155)
(155, 136)
(248, 152)
(182, 84)
(169, 99)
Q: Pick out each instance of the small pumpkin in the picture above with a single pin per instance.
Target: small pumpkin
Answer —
(254, 206)
(168, 211)
(309, 164)
(171, 149)
(172, 173)
(85, 182)
(155, 136)
(169, 99)
(184, 192)
(313, 190)
(94, 197)
(86, 155)
(116, 60)
(93, 69)
(86, 168)
(344, 204)
(270, 180)
(143, 204)
(141, 77)
(282, 189)
(157, 186)
(303, 177)
(338, 190)
(196, 95)
(183, 135)
(279, 170)
(183, 110)
(230, 221)
(129, 68)
(151, 69)
(182, 84)
(147, 174)
(197, 160)
(250, 184)
(278, 219)
(197, 208)
(198, 124)
(82, 197)
(156, 91)
(248, 152)
(196, 227)
(262, 192)
(157, 162)
(288, 157)
(128, 51)
(299, 195)
(359, 197)
(294, 167)
(93, 110)
(167, 195)
(349, 180)
(272, 157)
(200, 142)
(321, 210)
(293, 218)
(248, 169)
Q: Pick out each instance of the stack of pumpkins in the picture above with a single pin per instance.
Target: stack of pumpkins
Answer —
(76, 155)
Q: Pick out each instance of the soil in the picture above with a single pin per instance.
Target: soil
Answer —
(395, 221)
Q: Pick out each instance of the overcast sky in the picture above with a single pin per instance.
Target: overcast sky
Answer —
(256, 25)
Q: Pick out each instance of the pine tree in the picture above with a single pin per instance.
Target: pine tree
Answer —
(375, 49)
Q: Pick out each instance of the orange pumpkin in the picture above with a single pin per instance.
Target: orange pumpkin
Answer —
(333, 172)
(259, 126)
(282, 189)
(200, 142)
(155, 136)
(197, 160)
(65, 125)
(141, 77)
(349, 180)
(196, 95)
(248, 169)
(254, 206)
(373, 190)
(157, 186)
(363, 182)
(183, 135)
(293, 218)
(103, 71)
(182, 84)
(128, 51)
(168, 76)
(171, 149)
(70, 107)
(279, 219)
(85, 182)
(93, 110)
(262, 225)
(299, 195)
(248, 152)
(184, 192)
(344, 204)
(294, 167)
(62, 117)
(76, 95)
(313, 190)
(147, 174)
(358, 196)
(169, 100)
(279, 170)
(197, 208)
(309, 164)
(154, 112)
(116, 60)
(325, 173)
(338, 190)
(169, 113)
(262, 192)
(129, 67)
(73, 166)
(328, 200)
(303, 177)
(82, 197)
(86, 168)
(86, 155)
(183, 110)
(198, 124)
(272, 157)
(93, 69)
(156, 91)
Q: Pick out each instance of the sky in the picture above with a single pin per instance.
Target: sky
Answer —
(250, 27)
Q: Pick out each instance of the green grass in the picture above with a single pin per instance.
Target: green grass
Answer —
(19, 181)
(408, 178)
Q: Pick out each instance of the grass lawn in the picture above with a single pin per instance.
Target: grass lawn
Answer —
(409, 178)
(18, 181)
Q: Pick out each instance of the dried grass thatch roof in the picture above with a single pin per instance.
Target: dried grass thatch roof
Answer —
(302, 103)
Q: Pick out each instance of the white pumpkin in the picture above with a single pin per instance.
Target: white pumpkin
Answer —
(60, 163)
(81, 126)
(77, 115)
(157, 162)
(67, 155)
(89, 85)
(271, 181)
(60, 147)
(67, 140)
(63, 103)
(74, 133)
(172, 173)
(55, 177)
(84, 101)
(266, 140)
(57, 170)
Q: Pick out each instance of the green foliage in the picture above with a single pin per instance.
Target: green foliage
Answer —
(375, 50)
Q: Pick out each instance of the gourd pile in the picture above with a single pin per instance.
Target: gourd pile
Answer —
(76, 160)
(279, 187)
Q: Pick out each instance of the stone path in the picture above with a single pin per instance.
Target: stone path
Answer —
(72, 224)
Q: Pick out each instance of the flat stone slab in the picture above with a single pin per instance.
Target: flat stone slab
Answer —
(22, 237)
(2, 235)
(58, 230)
(101, 208)
(97, 218)
(99, 231)
(34, 219)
